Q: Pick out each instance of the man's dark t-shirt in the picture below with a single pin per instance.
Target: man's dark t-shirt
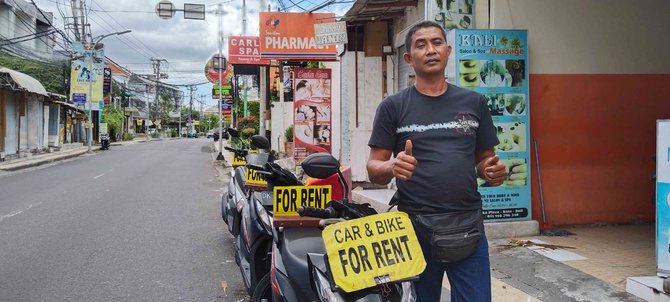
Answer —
(446, 131)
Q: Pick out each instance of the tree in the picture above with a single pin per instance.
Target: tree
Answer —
(503, 41)
(114, 119)
(161, 108)
(50, 75)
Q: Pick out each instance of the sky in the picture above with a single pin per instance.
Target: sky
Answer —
(185, 44)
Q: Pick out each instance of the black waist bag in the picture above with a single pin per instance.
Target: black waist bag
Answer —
(452, 236)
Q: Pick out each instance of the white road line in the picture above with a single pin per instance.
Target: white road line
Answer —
(12, 214)
(99, 176)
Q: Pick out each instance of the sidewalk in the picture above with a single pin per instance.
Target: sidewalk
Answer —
(69, 151)
(592, 265)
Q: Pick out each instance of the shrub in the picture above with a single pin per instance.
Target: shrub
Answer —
(288, 134)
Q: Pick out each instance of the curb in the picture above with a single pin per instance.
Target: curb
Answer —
(39, 162)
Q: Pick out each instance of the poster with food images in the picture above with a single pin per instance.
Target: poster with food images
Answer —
(311, 112)
(495, 64)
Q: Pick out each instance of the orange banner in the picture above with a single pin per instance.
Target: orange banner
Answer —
(290, 36)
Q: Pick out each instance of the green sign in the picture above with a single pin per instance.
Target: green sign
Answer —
(226, 92)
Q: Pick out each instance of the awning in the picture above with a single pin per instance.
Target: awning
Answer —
(25, 81)
(66, 104)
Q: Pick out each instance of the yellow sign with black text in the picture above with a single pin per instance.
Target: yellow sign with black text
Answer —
(255, 178)
(288, 199)
(239, 160)
(373, 250)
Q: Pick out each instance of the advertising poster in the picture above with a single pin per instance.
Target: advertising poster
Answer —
(451, 14)
(87, 68)
(311, 112)
(663, 198)
(290, 36)
(495, 64)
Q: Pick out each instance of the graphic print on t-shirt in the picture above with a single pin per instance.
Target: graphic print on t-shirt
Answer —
(463, 123)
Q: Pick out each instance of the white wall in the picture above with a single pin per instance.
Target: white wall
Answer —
(370, 94)
(590, 36)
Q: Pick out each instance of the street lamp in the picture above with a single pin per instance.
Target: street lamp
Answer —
(89, 98)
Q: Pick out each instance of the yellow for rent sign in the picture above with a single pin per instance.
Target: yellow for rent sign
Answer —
(288, 199)
(373, 250)
(239, 160)
(255, 178)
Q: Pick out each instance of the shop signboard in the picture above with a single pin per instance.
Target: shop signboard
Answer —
(495, 64)
(311, 112)
(290, 36)
(86, 73)
(245, 50)
(663, 197)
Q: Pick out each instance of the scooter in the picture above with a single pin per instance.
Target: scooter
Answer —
(292, 269)
(104, 142)
(256, 239)
(253, 243)
(236, 197)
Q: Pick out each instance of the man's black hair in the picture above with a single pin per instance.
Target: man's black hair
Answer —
(420, 25)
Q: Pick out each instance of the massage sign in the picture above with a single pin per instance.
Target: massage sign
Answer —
(373, 250)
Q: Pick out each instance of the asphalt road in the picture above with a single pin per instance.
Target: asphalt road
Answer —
(140, 222)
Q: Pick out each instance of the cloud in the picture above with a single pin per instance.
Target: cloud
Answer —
(186, 44)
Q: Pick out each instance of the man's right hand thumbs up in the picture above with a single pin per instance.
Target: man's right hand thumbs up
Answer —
(405, 163)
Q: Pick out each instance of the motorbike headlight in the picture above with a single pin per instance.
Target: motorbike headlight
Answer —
(323, 288)
(263, 215)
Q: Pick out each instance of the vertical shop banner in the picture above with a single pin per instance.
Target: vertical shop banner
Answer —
(87, 67)
(451, 14)
(495, 64)
(663, 197)
(290, 36)
(311, 112)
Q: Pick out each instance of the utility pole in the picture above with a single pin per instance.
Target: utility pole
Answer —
(157, 69)
(190, 108)
(262, 82)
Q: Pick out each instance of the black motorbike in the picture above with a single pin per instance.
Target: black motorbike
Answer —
(104, 142)
(300, 271)
(255, 235)
(256, 240)
(236, 197)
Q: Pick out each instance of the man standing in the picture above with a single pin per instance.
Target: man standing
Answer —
(443, 138)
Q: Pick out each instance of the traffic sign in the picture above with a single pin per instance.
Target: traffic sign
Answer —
(164, 9)
(212, 70)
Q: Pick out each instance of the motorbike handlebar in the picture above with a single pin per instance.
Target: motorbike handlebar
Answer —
(328, 212)
(230, 149)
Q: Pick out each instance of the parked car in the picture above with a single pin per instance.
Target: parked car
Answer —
(192, 133)
(210, 133)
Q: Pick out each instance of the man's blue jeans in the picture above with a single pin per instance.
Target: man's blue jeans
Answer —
(470, 279)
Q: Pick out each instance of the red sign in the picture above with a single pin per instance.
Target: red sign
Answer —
(290, 36)
(213, 75)
(245, 50)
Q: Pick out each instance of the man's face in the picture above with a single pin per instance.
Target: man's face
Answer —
(429, 52)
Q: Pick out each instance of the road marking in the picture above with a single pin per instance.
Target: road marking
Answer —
(99, 176)
(12, 214)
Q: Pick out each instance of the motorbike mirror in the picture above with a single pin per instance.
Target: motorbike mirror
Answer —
(260, 142)
(320, 165)
(233, 132)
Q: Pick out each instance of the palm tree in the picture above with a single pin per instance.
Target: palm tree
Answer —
(503, 41)
(516, 43)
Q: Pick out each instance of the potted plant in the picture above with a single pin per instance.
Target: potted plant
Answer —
(288, 144)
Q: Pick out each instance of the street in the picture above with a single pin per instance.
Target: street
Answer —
(140, 222)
